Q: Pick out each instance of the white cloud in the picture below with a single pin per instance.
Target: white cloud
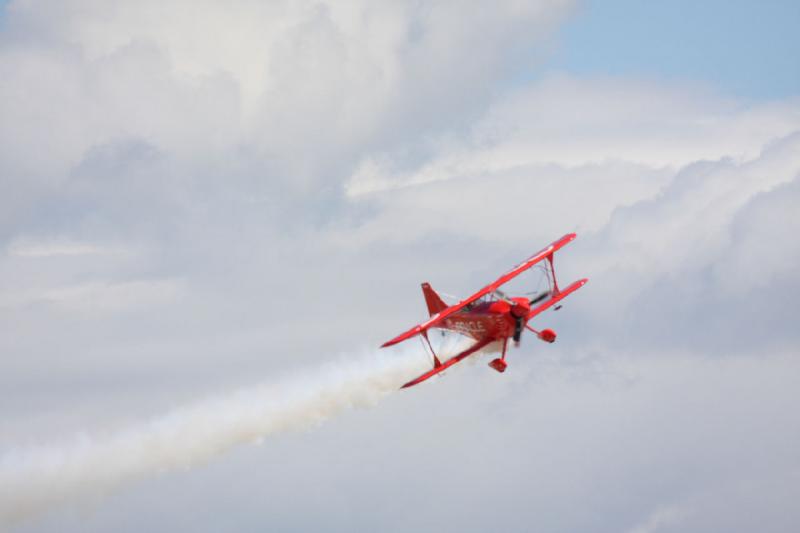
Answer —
(765, 252)
(114, 297)
(663, 517)
(301, 83)
(21, 248)
(575, 122)
(175, 222)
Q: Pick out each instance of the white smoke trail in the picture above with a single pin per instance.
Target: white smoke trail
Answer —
(33, 479)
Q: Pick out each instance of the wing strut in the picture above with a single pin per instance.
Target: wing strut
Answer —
(436, 362)
(553, 273)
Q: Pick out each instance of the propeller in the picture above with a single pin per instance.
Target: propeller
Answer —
(539, 297)
(519, 321)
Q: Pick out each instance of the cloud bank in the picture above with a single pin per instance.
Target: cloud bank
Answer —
(190, 203)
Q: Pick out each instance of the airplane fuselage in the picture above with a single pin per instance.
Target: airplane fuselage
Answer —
(494, 320)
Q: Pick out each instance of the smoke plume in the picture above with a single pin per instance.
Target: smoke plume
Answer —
(34, 479)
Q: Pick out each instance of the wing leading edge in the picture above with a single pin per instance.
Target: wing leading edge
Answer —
(505, 278)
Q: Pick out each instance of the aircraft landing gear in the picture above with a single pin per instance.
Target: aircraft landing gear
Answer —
(500, 364)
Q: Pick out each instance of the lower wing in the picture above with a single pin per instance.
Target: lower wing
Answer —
(450, 362)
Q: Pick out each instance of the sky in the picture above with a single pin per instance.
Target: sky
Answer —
(743, 49)
(211, 215)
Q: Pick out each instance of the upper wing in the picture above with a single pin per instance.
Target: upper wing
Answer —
(505, 278)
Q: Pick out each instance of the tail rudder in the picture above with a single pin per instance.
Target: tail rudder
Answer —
(434, 302)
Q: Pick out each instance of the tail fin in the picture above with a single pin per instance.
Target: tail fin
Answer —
(435, 303)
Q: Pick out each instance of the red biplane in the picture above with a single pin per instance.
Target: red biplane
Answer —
(489, 316)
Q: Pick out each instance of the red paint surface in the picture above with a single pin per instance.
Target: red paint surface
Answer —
(489, 321)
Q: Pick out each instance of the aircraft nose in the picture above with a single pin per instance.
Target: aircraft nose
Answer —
(520, 310)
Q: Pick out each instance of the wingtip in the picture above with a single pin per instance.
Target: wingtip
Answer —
(564, 240)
